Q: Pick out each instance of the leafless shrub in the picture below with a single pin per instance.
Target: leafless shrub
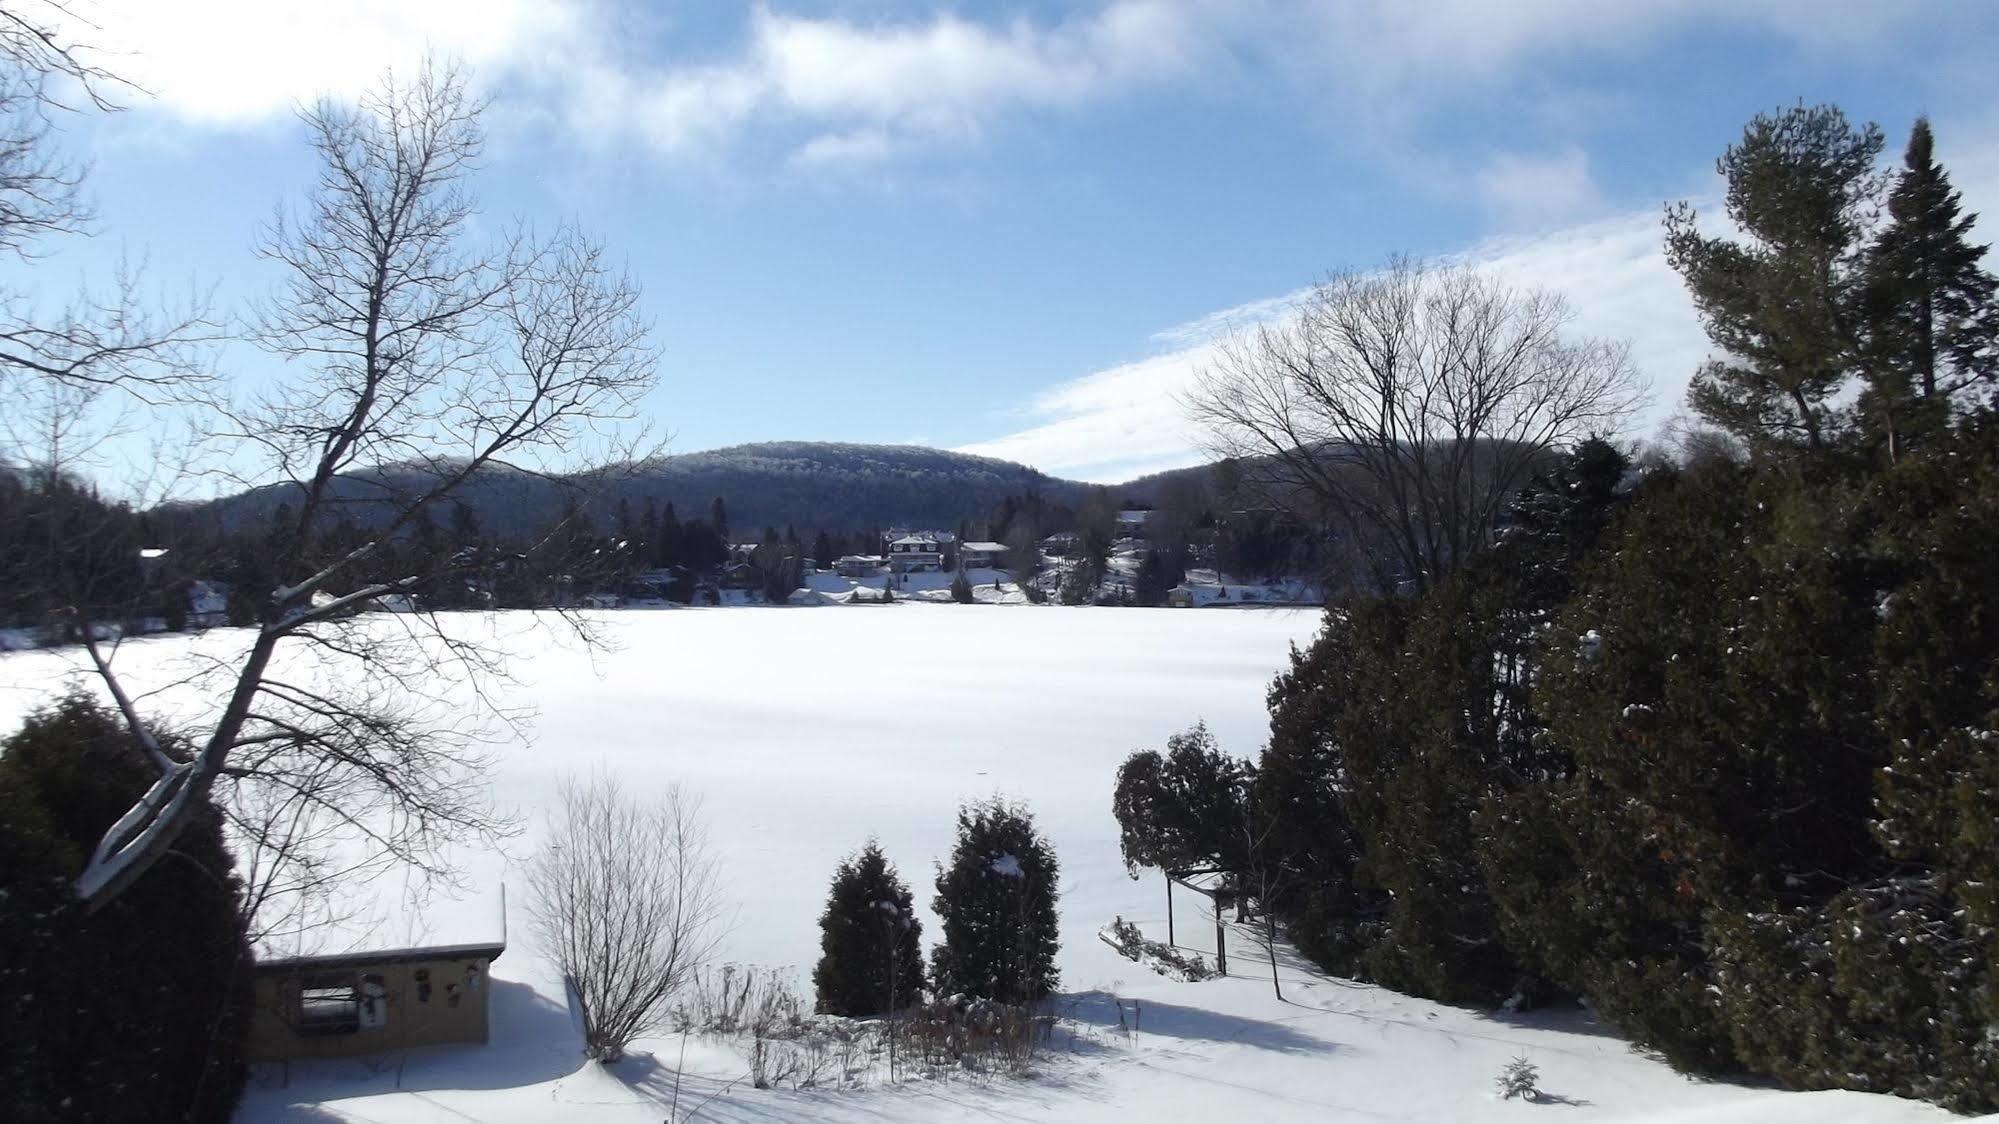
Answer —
(979, 1036)
(626, 896)
(740, 999)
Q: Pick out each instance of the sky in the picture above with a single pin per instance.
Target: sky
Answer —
(1014, 229)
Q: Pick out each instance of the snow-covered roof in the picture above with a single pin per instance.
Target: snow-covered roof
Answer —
(860, 558)
(915, 540)
(984, 547)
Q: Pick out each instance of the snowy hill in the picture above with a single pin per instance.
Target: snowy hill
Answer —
(813, 484)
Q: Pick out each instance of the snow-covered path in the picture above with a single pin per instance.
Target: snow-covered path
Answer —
(808, 730)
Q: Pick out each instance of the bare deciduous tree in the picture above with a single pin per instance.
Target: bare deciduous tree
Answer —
(418, 346)
(105, 339)
(1405, 406)
(626, 896)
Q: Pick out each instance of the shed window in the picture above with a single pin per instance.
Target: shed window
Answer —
(328, 1004)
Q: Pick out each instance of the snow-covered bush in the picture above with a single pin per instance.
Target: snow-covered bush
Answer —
(1125, 937)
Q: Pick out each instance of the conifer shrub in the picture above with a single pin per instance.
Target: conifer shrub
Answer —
(870, 940)
(142, 1003)
(996, 900)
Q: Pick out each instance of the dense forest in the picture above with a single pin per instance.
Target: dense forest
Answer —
(1705, 742)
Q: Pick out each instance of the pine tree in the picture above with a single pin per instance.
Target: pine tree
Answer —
(718, 517)
(1933, 329)
(961, 589)
(996, 900)
(1783, 305)
(870, 941)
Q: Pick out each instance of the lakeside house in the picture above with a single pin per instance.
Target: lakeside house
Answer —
(981, 555)
(916, 553)
(858, 565)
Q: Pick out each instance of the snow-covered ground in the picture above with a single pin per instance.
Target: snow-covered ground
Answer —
(807, 732)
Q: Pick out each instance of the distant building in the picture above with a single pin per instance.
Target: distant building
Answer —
(1180, 597)
(915, 554)
(207, 603)
(857, 565)
(743, 551)
(350, 1004)
(1131, 524)
(980, 555)
(662, 583)
(1060, 544)
(742, 575)
(602, 601)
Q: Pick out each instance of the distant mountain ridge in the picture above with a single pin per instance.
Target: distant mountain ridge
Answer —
(805, 484)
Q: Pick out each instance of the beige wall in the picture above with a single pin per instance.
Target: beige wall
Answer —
(404, 1016)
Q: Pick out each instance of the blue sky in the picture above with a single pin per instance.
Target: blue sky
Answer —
(1007, 228)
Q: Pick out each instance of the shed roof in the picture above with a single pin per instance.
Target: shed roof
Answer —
(489, 950)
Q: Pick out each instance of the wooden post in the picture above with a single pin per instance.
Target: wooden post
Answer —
(1169, 909)
(1221, 940)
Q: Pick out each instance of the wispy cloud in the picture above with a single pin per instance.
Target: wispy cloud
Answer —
(1103, 424)
(843, 88)
(1113, 424)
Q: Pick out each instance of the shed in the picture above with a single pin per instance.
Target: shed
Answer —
(347, 1004)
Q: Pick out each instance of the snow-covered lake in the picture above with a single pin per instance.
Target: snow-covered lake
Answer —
(806, 731)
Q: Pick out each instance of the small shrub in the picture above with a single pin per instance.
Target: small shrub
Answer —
(1519, 1079)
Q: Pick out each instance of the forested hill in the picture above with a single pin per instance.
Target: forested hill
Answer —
(830, 485)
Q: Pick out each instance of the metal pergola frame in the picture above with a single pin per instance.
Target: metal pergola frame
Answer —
(1214, 894)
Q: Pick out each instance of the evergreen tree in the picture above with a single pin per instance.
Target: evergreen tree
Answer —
(1783, 306)
(1150, 584)
(823, 554)
(961, 589)
(165, 965)
(996, 901)
(1188, 807)
(870, 941)
(1933, 329)
(718, 517)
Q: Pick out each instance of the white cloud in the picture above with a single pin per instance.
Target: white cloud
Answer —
(1538, 192)
(235, 62)
(1113, 424)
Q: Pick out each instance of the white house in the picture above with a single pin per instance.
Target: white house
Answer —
(915, 553)
(1131, 524)
(980, 555)
(857, 565)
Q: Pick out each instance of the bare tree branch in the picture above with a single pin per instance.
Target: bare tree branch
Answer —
(413, 346)
(1403, 407)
